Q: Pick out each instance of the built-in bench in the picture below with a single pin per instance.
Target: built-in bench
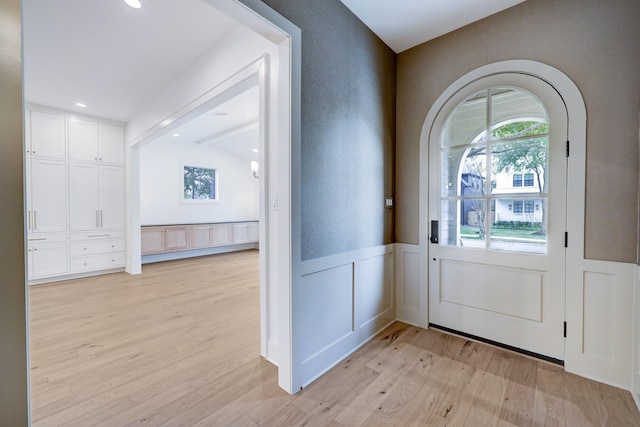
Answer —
(177, 241)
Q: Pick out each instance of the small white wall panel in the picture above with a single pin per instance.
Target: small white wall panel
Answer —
(511, 292)
(410, 268)
(327, 309)
(411, 298)
(599, 313)
(373, 288)
(600, 319)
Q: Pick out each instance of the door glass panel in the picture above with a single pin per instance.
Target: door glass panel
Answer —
(519, 225)
(473, 217)
(495, 180)
(519, 166)
(449, 222)
(464, 171)
(468, 122)
(509, 106)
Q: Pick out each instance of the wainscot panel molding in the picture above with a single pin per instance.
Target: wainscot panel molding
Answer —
(412, 300)
(342, 302)
(636, 336)
(600, 321)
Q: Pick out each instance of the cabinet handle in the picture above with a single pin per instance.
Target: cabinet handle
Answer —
(29, 250)
(35, 250)
(33, 240)
(101, 223)
(29, 220)
(99, 235)
(35, 220)
(100, 158)
(96, 158)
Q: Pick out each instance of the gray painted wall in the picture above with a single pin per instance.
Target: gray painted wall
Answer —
(597, 44)
(348, 129)
(13, 341)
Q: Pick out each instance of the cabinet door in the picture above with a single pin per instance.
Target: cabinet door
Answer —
(176, 238)
(222, 235)
(84, 197)
(244, 233)
(48, 191)
(111, 139)
(83, 140)
(200, 236)
(47, 135)
(47, 260)
(112, 203)
(152, 240)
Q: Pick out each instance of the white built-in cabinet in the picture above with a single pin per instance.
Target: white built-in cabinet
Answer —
(173, 238)
(96, 197)
(90, 141)
(46, 135)
(75, 191)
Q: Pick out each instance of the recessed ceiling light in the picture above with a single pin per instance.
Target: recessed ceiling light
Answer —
(81, 105)
(176, 134)
(255, 150)
(133, 3)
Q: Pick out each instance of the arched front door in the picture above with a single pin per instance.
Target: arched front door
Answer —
(497, 211)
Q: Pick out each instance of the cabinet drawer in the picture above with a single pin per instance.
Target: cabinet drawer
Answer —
(97, 235)
(46, 238)
(96, 247)
(97, 262)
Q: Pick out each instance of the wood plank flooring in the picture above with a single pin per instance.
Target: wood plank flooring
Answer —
(179, 346)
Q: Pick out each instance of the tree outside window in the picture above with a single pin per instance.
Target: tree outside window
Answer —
(200, 183)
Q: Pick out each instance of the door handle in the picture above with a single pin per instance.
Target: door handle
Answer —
(434, 232)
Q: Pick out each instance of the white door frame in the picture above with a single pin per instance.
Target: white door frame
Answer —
(575, 174)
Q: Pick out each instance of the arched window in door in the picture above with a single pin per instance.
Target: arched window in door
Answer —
(494, 151)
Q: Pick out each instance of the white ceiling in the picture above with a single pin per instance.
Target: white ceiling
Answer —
(231, 126)
(109, 56)
(403, 24)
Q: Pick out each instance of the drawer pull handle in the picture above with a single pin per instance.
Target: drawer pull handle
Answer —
(100, 235)
(33, 240)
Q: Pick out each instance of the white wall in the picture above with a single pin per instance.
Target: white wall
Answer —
(161, 172)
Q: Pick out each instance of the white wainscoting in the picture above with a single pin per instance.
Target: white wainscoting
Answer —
(412, 299)
(636, 336)
(600, 313)
(342, 302)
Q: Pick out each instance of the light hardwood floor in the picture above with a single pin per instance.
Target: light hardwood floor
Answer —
(179, 344)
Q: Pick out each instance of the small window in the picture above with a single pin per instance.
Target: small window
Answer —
(517, 180)
(200, 184)
(517, 206)
(528, 206)
(528, 180)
